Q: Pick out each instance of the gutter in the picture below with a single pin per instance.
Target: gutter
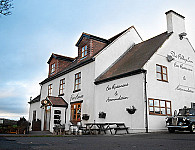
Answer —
(76, 66)
(131, 73)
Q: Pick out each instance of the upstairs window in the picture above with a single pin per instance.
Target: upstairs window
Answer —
(62, 86)
(50, 90)
(77, 84)
(159, 107)
(161, 73)
(53, 67)
(83, 51)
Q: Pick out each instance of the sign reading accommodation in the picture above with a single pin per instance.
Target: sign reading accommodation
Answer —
(116, 96)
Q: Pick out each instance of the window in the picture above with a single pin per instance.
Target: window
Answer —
(84, 51)
(50, 90)
(161, 73)
(53, 66)
(62, 86)
(57, 116)
(34, 115)
(77, 83)
(159, 107)
(76, 112)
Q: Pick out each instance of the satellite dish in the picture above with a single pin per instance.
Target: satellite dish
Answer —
(169, 58)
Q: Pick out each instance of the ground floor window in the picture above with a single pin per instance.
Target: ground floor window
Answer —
(34, 115)
(75, 112)
(159, 107)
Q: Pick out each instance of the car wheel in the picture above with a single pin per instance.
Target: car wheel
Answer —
(171, 130)
(192, 129)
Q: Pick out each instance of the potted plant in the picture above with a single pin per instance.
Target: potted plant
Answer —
(85, 117)
(102, 114)
(131, 110)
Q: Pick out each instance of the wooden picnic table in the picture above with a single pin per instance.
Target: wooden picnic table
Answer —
(100, 127)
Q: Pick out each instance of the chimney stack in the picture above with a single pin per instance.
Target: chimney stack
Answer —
(175, 22)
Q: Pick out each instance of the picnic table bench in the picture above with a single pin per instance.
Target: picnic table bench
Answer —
(120, 126)
(103, 127)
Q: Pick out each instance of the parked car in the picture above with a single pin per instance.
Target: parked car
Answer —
(184, 120)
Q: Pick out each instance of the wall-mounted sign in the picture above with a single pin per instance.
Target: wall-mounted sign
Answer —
(116, 96)
(115, 86)
(183, 66)
(76, 97)
(116, 99)
(181, 57)
(185, 89)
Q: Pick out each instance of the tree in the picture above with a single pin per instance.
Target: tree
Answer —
(5, 6)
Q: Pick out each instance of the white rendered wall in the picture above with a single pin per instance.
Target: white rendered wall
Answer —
(62, 116)
(114, 50)
(34, 107)
(86, 94)
(180, 88)
(116, 110)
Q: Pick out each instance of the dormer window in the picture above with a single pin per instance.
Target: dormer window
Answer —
(53, 66)
(83, 51)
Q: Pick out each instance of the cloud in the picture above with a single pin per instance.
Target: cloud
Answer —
(15, 95)
(13, 116)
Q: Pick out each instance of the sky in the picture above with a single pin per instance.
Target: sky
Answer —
(38, 28)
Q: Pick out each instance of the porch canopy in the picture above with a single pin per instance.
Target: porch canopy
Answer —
(54, 101)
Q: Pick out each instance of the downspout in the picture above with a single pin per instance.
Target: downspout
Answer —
(65, 115)
(146, 102)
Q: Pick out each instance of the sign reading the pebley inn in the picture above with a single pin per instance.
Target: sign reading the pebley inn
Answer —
(116, 96)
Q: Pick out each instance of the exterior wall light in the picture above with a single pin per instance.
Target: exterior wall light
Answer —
(169, 58)
(181, 35)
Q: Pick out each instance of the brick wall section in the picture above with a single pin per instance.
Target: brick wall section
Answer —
(63, 64)
(93, 46)
(59, 66)
(97, 46)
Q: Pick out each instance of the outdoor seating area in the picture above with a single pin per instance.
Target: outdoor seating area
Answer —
(103, 128)
(92, 129)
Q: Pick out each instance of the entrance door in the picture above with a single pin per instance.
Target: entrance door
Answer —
(47, 117)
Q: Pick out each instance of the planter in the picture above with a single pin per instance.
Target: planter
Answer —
(85, 117)
(102, 115)
(131, 110)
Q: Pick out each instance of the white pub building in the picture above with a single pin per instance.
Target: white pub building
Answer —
(121, 79)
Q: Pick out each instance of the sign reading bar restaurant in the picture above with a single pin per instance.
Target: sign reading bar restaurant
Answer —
(76, 97)
(116, 96)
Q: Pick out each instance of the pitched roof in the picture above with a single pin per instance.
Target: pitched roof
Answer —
(75, 63)
(134, 59)
(119, 34)
(57, 101)
(36, 99)
(60, 57)
(90, 36)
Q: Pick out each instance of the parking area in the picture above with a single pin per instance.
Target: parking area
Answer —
(149, 141)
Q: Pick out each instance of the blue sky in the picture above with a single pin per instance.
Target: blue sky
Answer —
(37, 28)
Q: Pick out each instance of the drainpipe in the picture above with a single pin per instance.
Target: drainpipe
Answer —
(65, 115)
(146, 102)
